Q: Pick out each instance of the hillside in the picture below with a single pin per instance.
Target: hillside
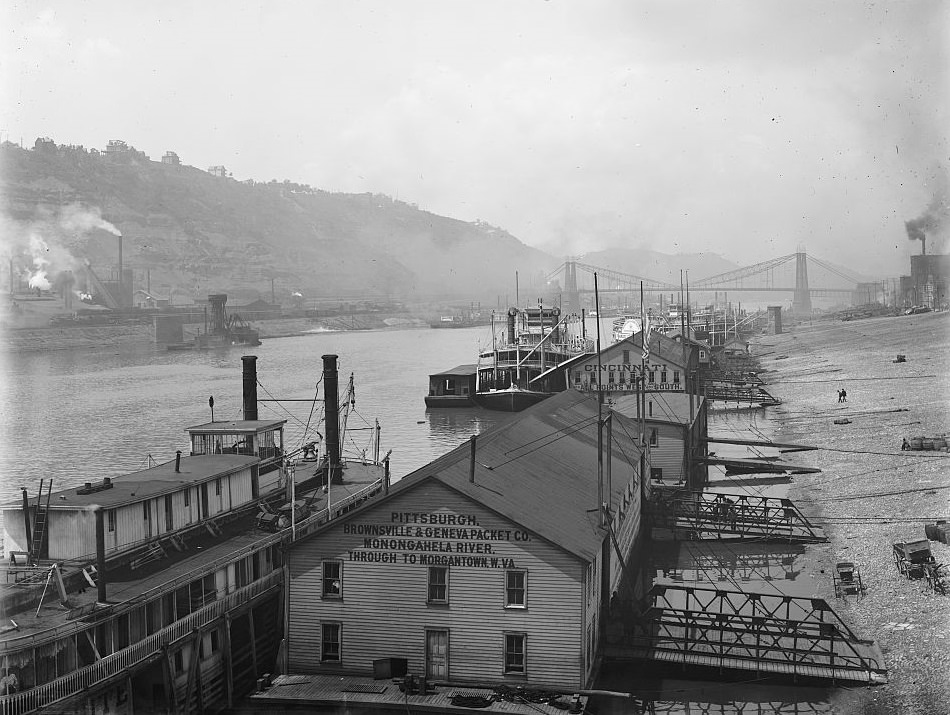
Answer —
(186, 230)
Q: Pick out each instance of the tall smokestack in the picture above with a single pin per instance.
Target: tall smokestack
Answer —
(512, 312)
(120, 267)
(250, 386)
(331, 407)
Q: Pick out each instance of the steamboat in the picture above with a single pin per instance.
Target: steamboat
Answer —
(163, 590)
(520, 369)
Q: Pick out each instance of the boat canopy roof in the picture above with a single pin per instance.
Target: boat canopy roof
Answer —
(469, 369)
(146, 484)
(237, 427)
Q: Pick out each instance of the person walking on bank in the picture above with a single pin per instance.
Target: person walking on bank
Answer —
(839, 395)
(844, 395)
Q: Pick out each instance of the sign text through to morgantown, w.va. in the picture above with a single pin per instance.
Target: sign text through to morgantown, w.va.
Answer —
(433, 539)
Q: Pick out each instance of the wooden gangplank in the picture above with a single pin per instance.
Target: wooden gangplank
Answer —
(699, 514)
(767, 633)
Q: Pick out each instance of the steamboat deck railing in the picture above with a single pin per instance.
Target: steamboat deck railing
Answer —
(111, 665)
(13, 644)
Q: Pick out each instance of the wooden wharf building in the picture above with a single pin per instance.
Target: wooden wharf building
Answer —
(494, 563)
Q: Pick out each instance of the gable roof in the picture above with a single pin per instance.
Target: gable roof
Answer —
(538, 470)
(666, 348)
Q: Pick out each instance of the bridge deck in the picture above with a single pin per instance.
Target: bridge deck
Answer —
(622, 653)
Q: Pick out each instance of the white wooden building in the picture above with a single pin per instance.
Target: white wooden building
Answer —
(670, 366)
(676, 429)
(494, 563)
(137, 507)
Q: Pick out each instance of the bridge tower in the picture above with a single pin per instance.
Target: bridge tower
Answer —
(571, 301)
(801, 302)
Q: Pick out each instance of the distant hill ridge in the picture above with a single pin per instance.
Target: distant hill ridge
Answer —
(200, 233)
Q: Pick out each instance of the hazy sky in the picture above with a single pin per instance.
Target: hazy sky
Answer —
(743, 128)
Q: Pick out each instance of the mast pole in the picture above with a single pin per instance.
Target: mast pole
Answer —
(600, 418)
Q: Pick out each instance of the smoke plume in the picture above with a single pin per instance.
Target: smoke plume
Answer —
(40, 250)
(932, 223)
(77, 219)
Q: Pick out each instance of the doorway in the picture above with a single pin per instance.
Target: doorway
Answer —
(437, 654)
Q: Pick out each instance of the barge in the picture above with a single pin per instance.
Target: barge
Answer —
(157, 591)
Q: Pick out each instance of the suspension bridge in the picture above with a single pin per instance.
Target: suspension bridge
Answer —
(805, 277)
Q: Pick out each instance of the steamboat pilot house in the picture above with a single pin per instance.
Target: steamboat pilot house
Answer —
(500, 556)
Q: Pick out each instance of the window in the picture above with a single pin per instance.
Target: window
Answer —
(651, 408)
(145, 510)
(652, 376)
(656, 474)
(662, 375)
(217, 486)
(188, 497)
(515, 652)
(577, 377)
(330, 637)
(438, 591)
(111, 514)
(332, 579)
(611, 377)
(516, 589)
(654, 438)
(626, 357)
(676, 377)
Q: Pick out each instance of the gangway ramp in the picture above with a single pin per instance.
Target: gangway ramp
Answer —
(730, 630)
(699, 514)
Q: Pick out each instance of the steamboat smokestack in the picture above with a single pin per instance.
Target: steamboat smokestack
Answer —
(250, 386)
(331, 406)
(512, 312)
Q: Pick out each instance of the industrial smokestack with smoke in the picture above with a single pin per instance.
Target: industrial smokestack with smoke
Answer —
(40, 252)
(932, 223)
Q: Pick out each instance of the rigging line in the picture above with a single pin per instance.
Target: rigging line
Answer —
(290, 415)
(916, 454)
(580, 399)
(874, 495)
(589, 421)
(853, 379)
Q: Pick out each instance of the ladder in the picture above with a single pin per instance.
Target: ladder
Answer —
(39, 523)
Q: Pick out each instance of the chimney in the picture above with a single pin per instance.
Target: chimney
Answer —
(177, 461)
(512, 312)
(120, 269)
(471, 471)
(331, 407)
(250, 386)
(923, 245)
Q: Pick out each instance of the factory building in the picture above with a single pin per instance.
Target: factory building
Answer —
(494, 563)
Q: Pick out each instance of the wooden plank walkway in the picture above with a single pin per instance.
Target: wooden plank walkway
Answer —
(348, 692)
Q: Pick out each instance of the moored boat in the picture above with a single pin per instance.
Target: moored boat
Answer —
(452, 388)
(519, 370)
(157, 591)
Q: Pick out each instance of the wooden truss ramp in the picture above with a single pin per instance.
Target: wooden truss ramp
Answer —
(766, 633)
(698, 514)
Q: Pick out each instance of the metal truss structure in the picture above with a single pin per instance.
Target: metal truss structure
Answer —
(741, 515)
(737, 630)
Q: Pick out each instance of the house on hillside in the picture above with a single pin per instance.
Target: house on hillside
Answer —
(494, 563)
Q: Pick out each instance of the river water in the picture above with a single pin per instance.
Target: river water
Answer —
(77, 416)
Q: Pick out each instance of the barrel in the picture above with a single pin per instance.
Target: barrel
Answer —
(932, 532)
(927, 443)
(940, 443)
(916, 443)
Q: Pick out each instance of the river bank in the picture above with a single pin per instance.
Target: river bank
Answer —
(871, 494)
